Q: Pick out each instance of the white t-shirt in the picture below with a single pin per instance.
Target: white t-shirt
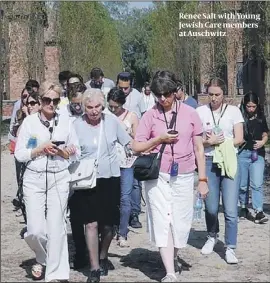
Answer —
(230, 117)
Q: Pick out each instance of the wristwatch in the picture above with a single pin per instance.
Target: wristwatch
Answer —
(203, 180)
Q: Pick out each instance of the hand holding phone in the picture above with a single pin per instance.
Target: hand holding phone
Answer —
(57, 143)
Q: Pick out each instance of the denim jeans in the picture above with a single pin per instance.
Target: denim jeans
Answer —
(230, 193)
(251, 175)
(125, 200)
(136, 197)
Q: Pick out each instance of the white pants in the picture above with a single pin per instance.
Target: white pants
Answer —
(48, 237)
(170, 206)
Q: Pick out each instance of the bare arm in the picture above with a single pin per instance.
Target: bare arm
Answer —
(199, 154)
(238, 134)
(134, 123)
(139, 147)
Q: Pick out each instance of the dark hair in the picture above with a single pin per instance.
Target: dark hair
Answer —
(116, 95)
(28, 89)
(146, 84)
(251, 97)
(64, 76)
(74, 89)
(96, 73)
(217, 82)
(32, 83)
(163, 83)
(125, 77)
(34, 95)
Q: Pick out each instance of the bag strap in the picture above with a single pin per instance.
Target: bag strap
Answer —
(173, 120)
(100, 136)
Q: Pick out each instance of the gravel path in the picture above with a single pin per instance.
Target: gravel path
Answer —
(141, 262)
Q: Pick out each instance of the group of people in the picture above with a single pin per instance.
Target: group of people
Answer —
(56, 126)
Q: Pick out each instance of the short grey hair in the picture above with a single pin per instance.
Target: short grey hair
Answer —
(93, 94)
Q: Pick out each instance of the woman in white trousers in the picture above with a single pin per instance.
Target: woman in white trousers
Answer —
(46, 183)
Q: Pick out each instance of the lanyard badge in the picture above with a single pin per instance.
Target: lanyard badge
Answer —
(174, 169)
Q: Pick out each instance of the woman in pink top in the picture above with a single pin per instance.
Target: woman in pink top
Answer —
(170, 197)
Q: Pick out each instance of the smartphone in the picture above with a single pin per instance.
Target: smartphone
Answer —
(173, 132)
(57, 143)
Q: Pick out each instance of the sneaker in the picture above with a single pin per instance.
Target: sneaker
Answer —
(177, 265)
(230, 256)
(209, 246)
(134, 221)
(170, 277)
(243, 213)
(260, 218)
(94, 276)
(122, 242)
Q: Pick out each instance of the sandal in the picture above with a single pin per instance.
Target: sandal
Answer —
(38, 271)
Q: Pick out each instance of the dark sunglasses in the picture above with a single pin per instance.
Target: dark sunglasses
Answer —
(32, 103)
(214, 94)
(124, 88)
(24, 96)
(48, 100)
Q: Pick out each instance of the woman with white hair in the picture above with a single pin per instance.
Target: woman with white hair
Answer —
(46, 143)
(98, 208)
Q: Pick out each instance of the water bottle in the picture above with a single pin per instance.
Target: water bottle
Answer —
(198, 208)
(32, 142)
(254, 155)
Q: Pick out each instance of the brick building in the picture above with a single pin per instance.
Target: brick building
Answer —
(28, 48)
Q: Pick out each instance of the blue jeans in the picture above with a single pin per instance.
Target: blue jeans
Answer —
(230, 193)
(125, 200)
(136, 197)
(251, 175)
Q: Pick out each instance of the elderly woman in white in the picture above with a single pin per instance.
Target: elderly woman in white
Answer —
(98, 208)
(46, 183)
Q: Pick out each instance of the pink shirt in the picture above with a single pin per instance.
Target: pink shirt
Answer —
(188, 125)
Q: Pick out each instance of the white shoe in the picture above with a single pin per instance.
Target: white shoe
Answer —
(122, 242)
(230, 256)
(209, 246)
(170, 277)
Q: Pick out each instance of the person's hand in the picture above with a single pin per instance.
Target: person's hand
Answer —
(168, 138)
(203, 189)
(25, 110)
(49, 148)
(215, 139)
(258, 144)
(71, 149)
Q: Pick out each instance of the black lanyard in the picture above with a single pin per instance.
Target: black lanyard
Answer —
(172, 123)
(217, 124)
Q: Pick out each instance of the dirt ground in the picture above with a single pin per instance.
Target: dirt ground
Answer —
(141, 262)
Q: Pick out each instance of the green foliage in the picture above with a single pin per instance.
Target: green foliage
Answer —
(88, 38)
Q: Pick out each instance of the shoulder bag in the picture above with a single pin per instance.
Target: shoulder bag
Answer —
(146, 167)
(84, 172)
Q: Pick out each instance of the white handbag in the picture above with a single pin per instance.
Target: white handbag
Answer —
(84, 172)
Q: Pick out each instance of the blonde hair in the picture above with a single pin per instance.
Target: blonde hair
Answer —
(93, 94)
(46, 86)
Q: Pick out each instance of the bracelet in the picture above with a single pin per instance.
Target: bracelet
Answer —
(203, 180)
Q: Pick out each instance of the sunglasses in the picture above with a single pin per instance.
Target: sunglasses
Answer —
(48, 100)
(124, 88)
(24, 96)
(214, 94)
(165, 95)
(32, 103)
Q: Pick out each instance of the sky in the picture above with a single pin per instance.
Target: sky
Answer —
(140, 5)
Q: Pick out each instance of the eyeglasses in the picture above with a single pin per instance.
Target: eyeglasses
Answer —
(32, 103)
(24, 96)
(214, 94)
(114, 107)
(48, 100)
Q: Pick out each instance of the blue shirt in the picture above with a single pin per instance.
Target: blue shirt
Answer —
(191, 102)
